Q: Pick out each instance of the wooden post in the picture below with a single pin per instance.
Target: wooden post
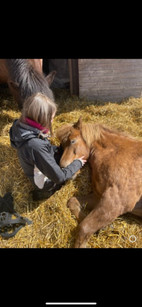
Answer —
(74, 76)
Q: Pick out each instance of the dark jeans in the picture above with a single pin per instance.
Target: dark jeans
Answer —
(50, 187)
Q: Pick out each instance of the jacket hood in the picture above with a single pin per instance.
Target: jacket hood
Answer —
(20, 133)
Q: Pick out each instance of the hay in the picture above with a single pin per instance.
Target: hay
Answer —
(53, 225)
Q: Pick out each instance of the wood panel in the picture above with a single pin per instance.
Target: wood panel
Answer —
(74, 79)
(110, 79)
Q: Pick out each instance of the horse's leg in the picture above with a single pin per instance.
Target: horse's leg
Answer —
(107, 210)
(91, 200)
(75, 208)
(138, 208)
(74, 205)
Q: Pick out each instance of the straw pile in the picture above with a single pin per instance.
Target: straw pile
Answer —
(53, 225)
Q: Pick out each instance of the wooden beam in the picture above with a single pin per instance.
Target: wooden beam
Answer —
(74, 76)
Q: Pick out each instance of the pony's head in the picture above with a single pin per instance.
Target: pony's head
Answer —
(73, 143)
(26, 78)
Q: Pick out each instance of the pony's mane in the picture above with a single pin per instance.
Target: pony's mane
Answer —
(97, 132)
(90, 132)
(30, 81)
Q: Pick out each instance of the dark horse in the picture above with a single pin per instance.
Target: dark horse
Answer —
(116, 164)
(25, 80)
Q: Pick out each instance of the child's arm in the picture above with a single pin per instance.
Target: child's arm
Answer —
(46, 163)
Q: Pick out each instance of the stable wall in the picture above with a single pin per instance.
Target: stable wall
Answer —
(110, 79)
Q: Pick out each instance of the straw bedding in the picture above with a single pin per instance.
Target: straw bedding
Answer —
(53, 225)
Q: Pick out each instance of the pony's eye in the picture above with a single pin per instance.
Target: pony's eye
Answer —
(73, 141)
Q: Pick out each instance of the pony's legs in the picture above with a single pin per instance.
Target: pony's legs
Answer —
(138, 208)
(91, 200)
(107, 210)
(74, 205)
(75, 208)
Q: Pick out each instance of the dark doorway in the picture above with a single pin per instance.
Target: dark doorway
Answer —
(62, 79)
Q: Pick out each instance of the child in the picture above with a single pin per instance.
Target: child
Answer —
(38, 158)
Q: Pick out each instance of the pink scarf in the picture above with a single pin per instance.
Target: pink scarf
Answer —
(34, 124)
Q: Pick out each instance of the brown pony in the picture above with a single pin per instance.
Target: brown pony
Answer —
(4, 75)
(25, 77)
(116, 164)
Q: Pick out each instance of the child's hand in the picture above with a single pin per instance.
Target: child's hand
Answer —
(83, 161)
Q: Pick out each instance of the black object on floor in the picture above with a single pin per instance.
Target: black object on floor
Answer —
(10, 226)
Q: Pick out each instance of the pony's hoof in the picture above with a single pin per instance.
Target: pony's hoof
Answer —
(75, 208)
(73, 204)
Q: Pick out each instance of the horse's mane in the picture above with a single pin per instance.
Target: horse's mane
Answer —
(94, 132)
(97, 132)
(30, 81)
(90, 132)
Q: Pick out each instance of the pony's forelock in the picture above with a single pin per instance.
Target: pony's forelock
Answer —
(88, 131)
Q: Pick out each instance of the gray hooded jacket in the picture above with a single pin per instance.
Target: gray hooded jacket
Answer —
(37, 156)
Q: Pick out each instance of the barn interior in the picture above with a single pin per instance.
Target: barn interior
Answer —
(53, 225)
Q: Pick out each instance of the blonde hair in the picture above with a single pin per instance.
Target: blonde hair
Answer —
(39, 108)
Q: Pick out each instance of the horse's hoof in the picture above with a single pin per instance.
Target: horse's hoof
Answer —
(71, 200)
(74, 205)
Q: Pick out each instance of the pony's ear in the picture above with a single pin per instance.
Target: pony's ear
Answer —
(78, 124)
(50, 77)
